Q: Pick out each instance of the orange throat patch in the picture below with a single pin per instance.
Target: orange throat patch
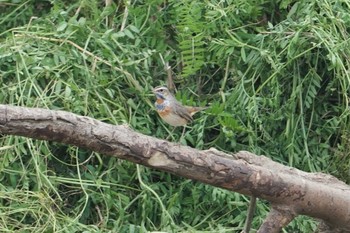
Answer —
(159, 101)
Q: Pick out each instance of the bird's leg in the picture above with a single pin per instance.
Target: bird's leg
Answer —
(182, 138)
(183, 131)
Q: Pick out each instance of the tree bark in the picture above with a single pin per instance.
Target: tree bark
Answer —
(278, 218)
(290, 191)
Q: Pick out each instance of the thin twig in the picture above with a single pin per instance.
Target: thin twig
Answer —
(125, 17)
(250, 215)
(167, 68)
(107, 4)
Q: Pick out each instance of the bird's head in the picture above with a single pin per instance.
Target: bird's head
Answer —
(162, 92)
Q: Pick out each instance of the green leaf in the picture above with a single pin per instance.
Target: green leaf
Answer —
(62, 26)
(243, 55)
(128, 33)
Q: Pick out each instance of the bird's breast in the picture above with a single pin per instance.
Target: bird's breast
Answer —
(161, 104)
(165, 111)
(160, 101)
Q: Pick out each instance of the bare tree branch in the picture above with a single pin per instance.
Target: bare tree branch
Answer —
(293, 191)
(277, 219)
(250, 215)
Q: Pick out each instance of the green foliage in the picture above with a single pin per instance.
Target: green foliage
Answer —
(188, 19)
(275, 74)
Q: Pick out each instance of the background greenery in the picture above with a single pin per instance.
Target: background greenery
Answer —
(275, 73)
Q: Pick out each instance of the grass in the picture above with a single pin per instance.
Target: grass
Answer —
(277, 84)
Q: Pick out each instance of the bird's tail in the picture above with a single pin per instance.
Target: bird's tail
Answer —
(193, 110)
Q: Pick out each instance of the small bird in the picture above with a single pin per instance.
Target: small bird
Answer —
(172, 111)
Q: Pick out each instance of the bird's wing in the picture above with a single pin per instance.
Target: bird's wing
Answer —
(182, 111)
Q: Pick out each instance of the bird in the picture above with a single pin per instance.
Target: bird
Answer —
(172, 111)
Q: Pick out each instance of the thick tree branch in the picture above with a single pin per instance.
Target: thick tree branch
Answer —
(317, 195)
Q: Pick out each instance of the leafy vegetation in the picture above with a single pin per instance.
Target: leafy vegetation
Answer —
(275, 74)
